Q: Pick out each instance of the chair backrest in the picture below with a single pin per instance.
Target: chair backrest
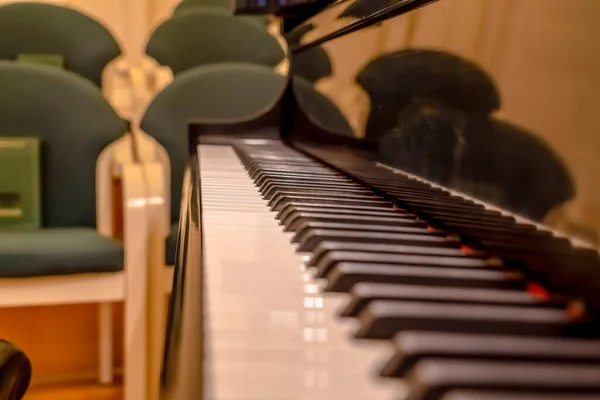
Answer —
(230, 92)
(73, 123)
(205, 36)
(186, 5)
(85, 45)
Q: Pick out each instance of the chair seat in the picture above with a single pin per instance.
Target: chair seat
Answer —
(57, 251)
(171, 245)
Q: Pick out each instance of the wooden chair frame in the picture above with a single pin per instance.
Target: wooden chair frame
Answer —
(115, 163)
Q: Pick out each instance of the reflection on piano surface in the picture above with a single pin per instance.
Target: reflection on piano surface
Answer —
(391, 244)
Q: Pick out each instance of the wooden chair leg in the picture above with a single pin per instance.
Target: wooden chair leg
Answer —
(105, 343)
(135, 365)
(158, 317)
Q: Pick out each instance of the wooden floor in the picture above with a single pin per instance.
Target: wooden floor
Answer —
(75, 392)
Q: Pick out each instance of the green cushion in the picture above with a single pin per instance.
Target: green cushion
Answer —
(171, 245)
(66, 112)
(201, 37)
(59, 251)
(38, 28)
(186, 5)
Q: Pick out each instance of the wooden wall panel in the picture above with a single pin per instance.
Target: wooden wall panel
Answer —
(61, 341)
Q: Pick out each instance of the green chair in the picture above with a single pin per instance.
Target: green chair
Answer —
(74, 257)
(223, 5)
(223, 92)
(206, 36)
(47, 33)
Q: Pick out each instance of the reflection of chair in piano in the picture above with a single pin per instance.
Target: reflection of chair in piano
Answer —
(35, 31)
(86, 173)
(393, 80)
(312, 64)
(15, 372)
(480, 155)
(433, 111)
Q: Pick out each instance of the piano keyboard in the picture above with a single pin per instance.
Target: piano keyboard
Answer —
(317, 288)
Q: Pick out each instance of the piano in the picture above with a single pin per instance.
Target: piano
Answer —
(432, 238)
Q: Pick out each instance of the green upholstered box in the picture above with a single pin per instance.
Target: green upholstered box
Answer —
(53, 60)
(19, 182)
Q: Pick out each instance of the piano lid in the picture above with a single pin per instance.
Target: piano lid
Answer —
(497, 99)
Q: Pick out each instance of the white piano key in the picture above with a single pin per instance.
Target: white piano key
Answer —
(270, 331)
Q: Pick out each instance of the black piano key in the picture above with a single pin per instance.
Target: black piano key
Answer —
(301, 167)
(297, 219)
(305, 228)
(501, 232)
(281, 177)
(407, 187)
(316, 236)
(554, 265)
(275, 182)
(384, 319)
(316, 191)
(432, 379)
(296, 176)
(334, 209)
(457, 222)
(289, 166)
(508, 234)
(358, 207)
(321, 200)
(447, 204)
(284, 166)
(412, 256)
(270, 187)
(539, 243)
(362, 294)
(345, 275)
(433, 197)
(260, 177)
(281, 199)
(412, 347)
(507, 395)
(324, 248)
(298, 183)
(392, 183)
(444, 213)
(418, 191)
